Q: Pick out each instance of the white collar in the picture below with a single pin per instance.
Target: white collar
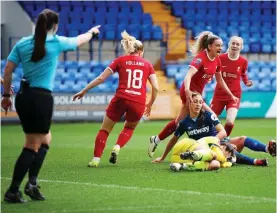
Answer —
(232, 58)
(209, 56)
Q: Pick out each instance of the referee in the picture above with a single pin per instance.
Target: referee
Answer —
(38, 54)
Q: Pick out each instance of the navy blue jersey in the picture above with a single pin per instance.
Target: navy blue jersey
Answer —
(200, 127)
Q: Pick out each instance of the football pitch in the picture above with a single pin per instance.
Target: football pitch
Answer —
(134, 184)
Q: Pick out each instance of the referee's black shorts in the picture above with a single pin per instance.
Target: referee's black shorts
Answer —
(35, 108)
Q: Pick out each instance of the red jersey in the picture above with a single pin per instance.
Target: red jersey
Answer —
(232, 72)
(133, 73)
(206, 68)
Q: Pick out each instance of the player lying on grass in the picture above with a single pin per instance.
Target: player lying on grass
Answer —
(201, 155)
(199, 124)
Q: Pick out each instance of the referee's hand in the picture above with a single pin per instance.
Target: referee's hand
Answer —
(95, 30)
(6, 104)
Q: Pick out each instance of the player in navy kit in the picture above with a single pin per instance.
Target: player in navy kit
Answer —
(201, 124)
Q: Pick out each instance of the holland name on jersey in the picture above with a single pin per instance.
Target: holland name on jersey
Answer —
(138, 63)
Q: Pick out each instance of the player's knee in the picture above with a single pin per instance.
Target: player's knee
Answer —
(47, 139)
(108, 130)
(230, 123)
(242, 138)
(131, 125)
(214, 165)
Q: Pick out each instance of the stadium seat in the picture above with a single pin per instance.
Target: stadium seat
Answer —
(157, 33)
(265, 85)
(77, 88)
(171, 70)
(267, 48)
(146, 32)
(255, 47)
(65, 89)
(264, 73)
(273, 85)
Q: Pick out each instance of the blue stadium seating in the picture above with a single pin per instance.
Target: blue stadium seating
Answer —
(234, 18)
(72, 76)
(263, 73)
(79, 16)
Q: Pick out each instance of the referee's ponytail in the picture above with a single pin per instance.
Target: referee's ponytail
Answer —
(46, 19)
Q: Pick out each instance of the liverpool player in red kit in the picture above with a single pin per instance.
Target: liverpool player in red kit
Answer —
(130, 97)
(203, 67)
(234, 67)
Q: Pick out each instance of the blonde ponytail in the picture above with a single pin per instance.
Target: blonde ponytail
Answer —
(130, 44)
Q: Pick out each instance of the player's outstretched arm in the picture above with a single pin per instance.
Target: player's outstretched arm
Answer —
(168, 148)
(84, 38)
(154, 83)
(100, 79)
(191, 72)
(221, 133)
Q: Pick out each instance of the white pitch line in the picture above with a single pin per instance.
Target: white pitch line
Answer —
(128, 208)
(186, 192)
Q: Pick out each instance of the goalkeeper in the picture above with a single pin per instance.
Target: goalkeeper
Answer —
(201, 155)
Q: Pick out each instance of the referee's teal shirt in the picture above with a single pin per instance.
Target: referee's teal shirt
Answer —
(42, 73)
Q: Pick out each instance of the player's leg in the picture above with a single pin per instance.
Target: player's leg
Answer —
(217, 106)
(243, 159)
(200, 150)
(239, 142)
(114, 113)
(254, 145)
(171, 126)
(100, 140)
(198, 155)
(134, 112)
(180, 147)
(271, 148)
(196, 166)
(168, 130)
(232, 111)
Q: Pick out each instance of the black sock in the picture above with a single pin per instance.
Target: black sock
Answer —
(21, 167)
(37, 163)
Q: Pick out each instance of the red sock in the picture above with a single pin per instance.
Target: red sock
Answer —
(124, 136)
(228, 128)
(168, 130)
(100, 143)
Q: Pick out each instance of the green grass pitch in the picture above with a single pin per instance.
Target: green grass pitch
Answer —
(134, 184)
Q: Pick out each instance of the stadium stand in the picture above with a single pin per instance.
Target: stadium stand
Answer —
(262, 73)
(79, 16)
(254, 21)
